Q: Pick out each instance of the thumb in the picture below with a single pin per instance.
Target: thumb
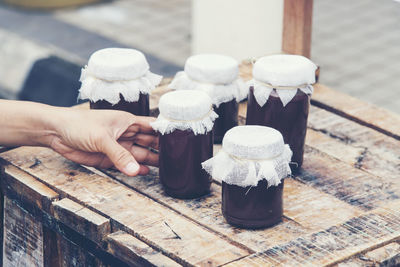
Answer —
(120, 157)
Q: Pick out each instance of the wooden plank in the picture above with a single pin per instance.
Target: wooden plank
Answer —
(51, 250)
(385, 255)
(345, 182)
(72, 254)
(135, 252)
(334, 244)
(3, 149)
(23, 237)
(126, 208)
(86, 222)
(306, 208)
(362, 112)
(207, 212)
(360, 146)
(314, 209)
(297, 22)
(28, 187)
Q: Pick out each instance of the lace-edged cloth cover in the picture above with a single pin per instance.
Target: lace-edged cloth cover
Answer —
(185, 110)
(112, 72)
(286, 74)
(216, 75)
(250, 154)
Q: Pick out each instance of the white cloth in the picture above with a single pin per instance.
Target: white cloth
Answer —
(250, 154)
(263, 91)
(217, 75)
(271, 72)
(112, 72)
(219, 93)
(185, 110)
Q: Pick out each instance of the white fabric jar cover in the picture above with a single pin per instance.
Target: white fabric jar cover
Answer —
(250, 154)
(217, 75)
(114, 71)
(286, 74)
(185, 110)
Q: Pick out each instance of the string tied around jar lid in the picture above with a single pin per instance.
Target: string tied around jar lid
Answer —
(246, 161)
(291, 72)
(216, 75)
(185, 110)
(113, 72)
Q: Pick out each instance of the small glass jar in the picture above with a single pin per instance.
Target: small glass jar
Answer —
(218, 76)
(185, 125)
(279, 97)
(119, 79)
(252, 164)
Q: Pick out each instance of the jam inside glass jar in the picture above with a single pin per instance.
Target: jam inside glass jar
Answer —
(181, 154)
(252, 207)
(227, 119)
(140, 107)
(290, 120)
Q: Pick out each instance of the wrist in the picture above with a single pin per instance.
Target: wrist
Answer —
(52, 120)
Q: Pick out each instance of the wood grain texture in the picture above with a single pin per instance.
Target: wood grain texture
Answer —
(27, 186)
(359, 146)
(71, 254)
(207, 212)
(364, 113)
(334, 244)
(343, 205)
(138, 214)
(297, 22)
(135, 252)
(86, 222)
(23, 237)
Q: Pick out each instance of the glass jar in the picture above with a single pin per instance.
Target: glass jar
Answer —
(140, 107)
(252, 206)
(119, 79)
(185, 125)
(279, 97)
(218, 76)
(252, 164)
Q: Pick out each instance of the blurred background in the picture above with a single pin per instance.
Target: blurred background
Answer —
(44, 44)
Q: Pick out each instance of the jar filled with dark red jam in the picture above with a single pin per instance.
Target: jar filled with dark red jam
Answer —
(218, 76)
(252, 164)
(119, 79)
(185, 126)
(279, 97)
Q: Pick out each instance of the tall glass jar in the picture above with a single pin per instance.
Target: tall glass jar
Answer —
(279, 97)
(252, 164)
(118, 78)
(218, 76)
(185, 125)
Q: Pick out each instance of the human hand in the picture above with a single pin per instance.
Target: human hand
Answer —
(106, 138)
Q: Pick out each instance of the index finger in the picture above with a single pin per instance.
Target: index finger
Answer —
(142, 125)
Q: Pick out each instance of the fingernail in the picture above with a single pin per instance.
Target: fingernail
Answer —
(132, 168)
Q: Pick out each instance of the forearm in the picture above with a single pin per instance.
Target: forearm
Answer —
(27, 123)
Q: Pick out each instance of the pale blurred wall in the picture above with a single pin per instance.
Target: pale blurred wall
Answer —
(239, 28)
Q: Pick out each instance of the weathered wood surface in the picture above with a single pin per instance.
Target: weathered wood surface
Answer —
(136, 252)
(342, 207)
(365, 113)
(127, 209)
(81, 219)
(21, 249)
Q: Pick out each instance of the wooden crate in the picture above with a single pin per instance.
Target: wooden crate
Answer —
(343, 207)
